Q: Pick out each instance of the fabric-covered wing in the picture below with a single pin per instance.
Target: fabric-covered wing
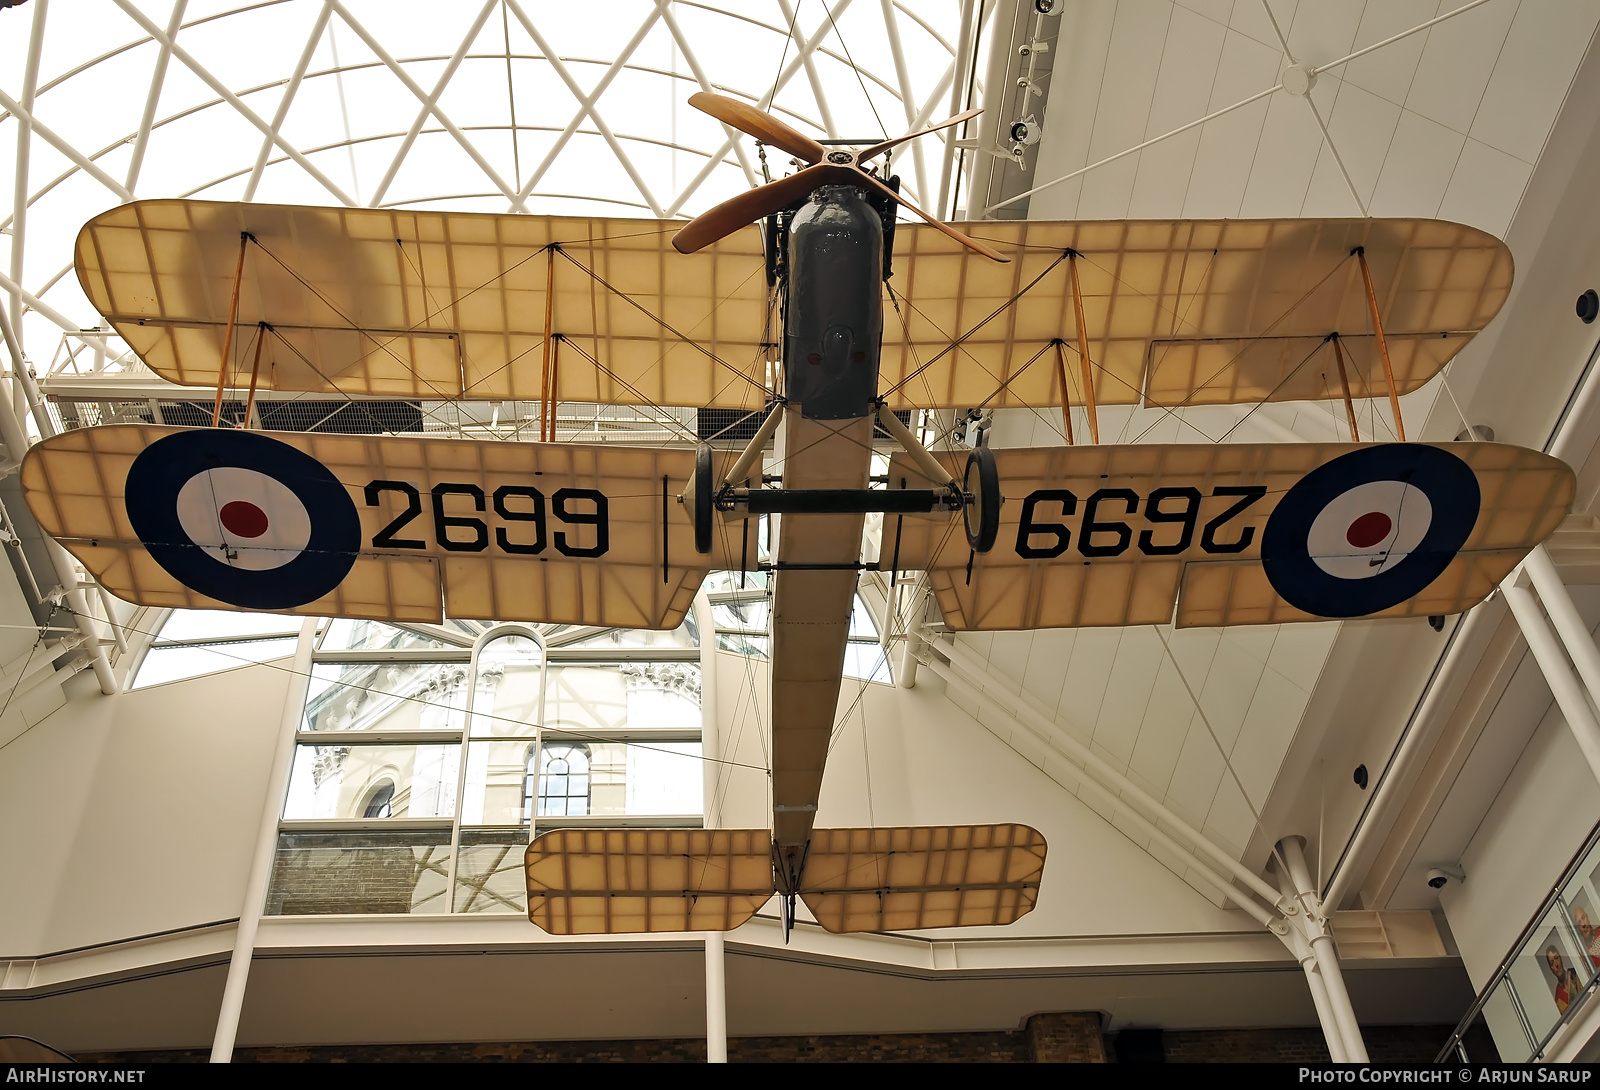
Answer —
(551, 533)
(630, 881)
(435, 305)
(914, 878)
(1182, 312)
(439, 305)
(1236, 534)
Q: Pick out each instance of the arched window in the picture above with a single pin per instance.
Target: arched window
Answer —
(562, 784)
(378, 804)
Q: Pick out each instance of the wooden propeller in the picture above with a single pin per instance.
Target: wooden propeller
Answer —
(838, 166)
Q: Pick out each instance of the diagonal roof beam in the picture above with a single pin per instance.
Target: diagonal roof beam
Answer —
(22, 297)
(19, 210)
(1327, 136)
(158, 80)
(705, 85)
(765, 103)
(907, 99)
(233, 100)
(430, 104)
(805, 56)
(432, 107)
(288, 99)
(64, 147)
(586, 103)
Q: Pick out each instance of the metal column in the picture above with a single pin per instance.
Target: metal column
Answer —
(1319, 989)
(716, 1001)
(1344, 1013)
(255, 893)
(1564, 684)
(1564, 617)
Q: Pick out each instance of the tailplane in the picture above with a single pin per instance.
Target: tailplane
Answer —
(637, 881)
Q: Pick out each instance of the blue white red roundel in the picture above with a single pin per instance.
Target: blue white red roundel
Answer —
(243, 518)
(1369, 529)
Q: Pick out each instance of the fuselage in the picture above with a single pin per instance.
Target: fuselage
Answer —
(833, 334)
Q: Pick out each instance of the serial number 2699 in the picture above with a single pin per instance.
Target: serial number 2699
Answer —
(1038, 538)
(521, 526)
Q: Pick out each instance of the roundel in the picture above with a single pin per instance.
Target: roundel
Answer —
(1369, 529)
(242, 518)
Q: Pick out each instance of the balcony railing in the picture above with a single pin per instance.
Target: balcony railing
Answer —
(1552, 971)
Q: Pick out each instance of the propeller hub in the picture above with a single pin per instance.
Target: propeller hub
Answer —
(843, 158)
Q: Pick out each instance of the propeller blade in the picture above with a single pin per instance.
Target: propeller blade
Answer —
(753, 204)
(879, 149)
(969, 243)
(759, 124)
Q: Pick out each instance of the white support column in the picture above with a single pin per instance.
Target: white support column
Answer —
(1301, 949)
(1564, 684)
(255, 892)
(16, 443)
(716, 1001)
(710, 734)
(711, 748)
(1564, 616)
(959, 66)
(1344, 1013)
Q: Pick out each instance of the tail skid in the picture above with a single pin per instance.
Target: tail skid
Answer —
(641, 881)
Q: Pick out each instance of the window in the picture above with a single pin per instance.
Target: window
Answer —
(563, 781)
(414, 783)
(378, 804)
(195, 642)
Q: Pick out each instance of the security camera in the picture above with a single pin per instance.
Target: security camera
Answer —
(1439, 877)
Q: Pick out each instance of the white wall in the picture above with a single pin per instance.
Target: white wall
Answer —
(933, 764)
(1539, 818)
(134, 814)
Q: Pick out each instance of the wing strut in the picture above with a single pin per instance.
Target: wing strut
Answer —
(547, 418)
(1083, 351)
(227, 338)
(255, 373)
(1066, 395)
(1383, 344)
(1344, 387)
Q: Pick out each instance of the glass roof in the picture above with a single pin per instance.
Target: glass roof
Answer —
(503, 105)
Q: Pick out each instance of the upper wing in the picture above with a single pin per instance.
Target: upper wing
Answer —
(1182, 312)
(453, 304)
(1236, 534)
(378, 527)
(433, 304)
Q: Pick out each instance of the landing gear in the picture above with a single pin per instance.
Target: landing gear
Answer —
(981, 483)
(700, 497)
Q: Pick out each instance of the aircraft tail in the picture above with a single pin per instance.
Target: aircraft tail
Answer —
(635, 881)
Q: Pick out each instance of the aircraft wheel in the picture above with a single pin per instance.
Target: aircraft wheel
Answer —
(981, 482)
(704, 494)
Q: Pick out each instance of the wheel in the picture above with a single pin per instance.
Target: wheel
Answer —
(981, 483)
(702, 499)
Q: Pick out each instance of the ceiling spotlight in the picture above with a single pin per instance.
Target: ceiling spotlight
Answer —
(1588, 306)
(1026, 132)
(1044, 7)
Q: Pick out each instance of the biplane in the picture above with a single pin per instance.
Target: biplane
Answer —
(822, 324)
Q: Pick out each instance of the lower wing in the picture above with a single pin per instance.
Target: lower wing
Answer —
(385, 527)
(1235, 534)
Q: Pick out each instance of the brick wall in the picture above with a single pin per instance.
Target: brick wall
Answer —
(999, 1047)
(1047, 1038)
(1072, 1037)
